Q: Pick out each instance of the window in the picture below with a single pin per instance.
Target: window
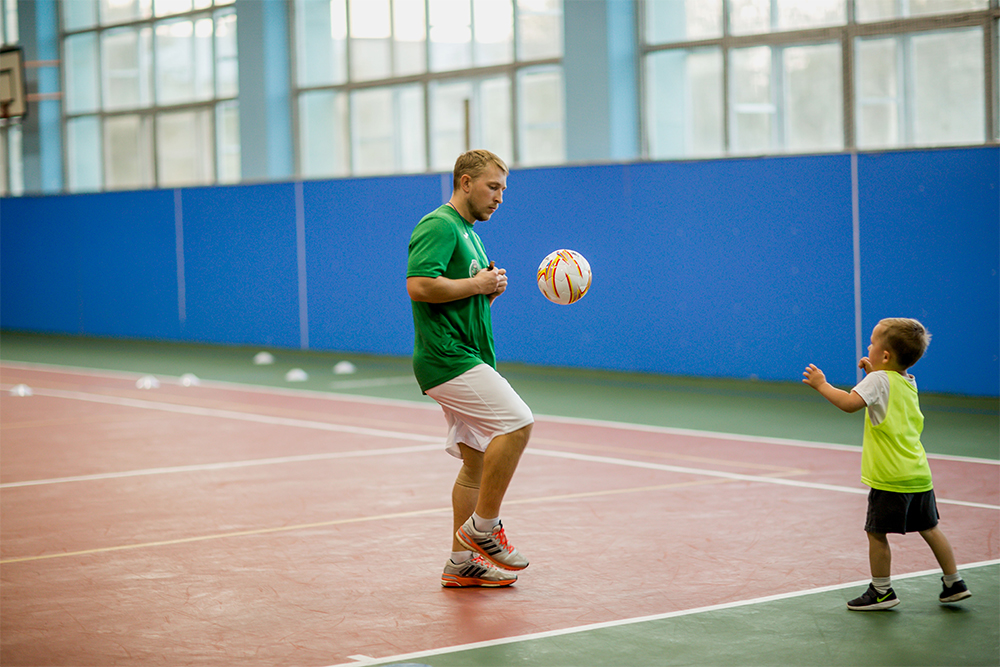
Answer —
(768, 76)
(403, 86)
(747, 77)
(151, 93)
(921, 89)
(11, 162)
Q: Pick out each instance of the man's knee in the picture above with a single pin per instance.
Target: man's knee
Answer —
(471, 473)
(468, 479)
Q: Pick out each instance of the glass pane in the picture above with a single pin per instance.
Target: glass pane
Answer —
(410, 115)
(184, 68)
(184, 154)
(370, 33)
(948, 96)
(450, 34)
(227, 123)
(813, 98)
(321, 42)
(877, 98)
(81, 68)
(83, 146)
(169, 7)
(123, 11)
(752, 109)
(747, 17)
(494, 31)
(9, 31)
(372, 131)
(878, 10)
(79, 14)
(14, 161)
(762, 16)
(539, 29)
(323, 134)
(409, 27)
(127, 153)
(681, 20)
(495, 122)
(6, 158)
(797, 14)
(448, 123)
(227, 75)
(126, 58)
(684, 103)
(541, 117)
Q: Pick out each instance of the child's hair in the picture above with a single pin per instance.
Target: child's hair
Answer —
(906, 338)
(474, 163)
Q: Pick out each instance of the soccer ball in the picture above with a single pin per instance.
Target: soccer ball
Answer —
(564, 277)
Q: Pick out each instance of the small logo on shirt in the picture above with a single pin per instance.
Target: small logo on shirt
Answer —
(474, 268)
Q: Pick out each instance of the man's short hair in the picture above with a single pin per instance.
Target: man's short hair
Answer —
(906, 338)
(475, 163)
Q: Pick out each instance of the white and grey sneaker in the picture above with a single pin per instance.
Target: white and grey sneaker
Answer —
(476, 571)
(492, 546)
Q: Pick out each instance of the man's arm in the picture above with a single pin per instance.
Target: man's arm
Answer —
(846, 401)
(443, 290)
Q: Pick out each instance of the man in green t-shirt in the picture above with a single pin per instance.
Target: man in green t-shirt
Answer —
(452, 285)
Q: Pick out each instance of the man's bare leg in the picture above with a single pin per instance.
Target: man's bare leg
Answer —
(499, 463)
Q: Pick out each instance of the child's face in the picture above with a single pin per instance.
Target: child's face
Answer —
(878, 354)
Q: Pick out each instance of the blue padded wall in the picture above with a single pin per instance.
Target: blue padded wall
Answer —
(930, 241)
(241, 265)
(735, 268)
(726, 268)
(357, 232)
(102, 265)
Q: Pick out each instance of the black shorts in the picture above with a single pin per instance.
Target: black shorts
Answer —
(890, 512)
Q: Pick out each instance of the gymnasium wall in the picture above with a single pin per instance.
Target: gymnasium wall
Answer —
(729, 268)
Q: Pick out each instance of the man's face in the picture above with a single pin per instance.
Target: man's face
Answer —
(485, 192)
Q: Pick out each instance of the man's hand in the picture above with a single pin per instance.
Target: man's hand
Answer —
(494, 281)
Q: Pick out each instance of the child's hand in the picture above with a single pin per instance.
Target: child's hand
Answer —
(814, 377)
(866, 364)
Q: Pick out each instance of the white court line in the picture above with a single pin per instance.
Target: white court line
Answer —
(428, 405)
(730, 475)
(380, 433)
(227, 465)
(374, 382)
(359, 662)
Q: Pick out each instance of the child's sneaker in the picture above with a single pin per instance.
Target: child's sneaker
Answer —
(492, 546)
(957, 591)
(474, 572)
(872, 600)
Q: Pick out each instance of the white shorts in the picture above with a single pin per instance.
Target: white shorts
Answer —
(479, 405)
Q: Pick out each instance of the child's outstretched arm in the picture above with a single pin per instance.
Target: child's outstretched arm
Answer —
(846, 401)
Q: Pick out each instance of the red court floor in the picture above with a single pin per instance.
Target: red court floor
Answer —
(224, 525)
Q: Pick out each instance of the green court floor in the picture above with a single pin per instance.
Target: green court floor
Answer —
(814, 630)
(953, 424)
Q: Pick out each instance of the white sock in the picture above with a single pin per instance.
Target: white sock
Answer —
(484, 525)
(882, 584)
(459, 557)
(952, 579)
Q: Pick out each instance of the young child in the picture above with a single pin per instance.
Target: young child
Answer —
(893, 461)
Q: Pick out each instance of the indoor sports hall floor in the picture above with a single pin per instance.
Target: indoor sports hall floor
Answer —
(244, 519)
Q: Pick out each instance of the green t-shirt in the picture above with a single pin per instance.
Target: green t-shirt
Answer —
(892, 456)
(452, 337)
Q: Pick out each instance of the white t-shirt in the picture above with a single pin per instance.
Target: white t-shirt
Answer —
(874, 390)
